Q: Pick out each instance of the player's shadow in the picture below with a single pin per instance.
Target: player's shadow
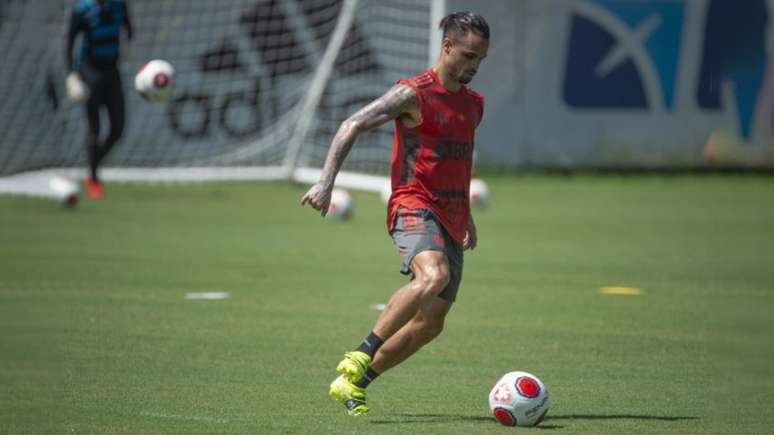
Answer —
(549, 423)
(550, 417)
(447, 418)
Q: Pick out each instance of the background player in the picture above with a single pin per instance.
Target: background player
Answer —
(429, 218)
(95, 77)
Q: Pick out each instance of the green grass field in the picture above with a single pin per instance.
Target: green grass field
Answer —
(96, 335)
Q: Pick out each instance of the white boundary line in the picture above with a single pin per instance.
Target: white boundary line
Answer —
(38, 183)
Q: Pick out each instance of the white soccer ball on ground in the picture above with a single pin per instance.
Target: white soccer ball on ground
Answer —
(341, 206)
(65, 190)
(479, 193)
(519, 399)
(155, 81)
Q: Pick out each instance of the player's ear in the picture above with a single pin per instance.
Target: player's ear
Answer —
(446, 45)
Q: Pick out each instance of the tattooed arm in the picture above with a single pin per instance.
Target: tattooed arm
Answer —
(399, 102)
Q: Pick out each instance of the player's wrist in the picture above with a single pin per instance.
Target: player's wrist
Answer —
(327, 179)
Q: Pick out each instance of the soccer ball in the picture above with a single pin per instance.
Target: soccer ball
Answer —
(479, 193)
(341, 206)
(64, 190)
(519, 399)
(155, 80)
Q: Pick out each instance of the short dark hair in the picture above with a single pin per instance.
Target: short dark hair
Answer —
(457, 24)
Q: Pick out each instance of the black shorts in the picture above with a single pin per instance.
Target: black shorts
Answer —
(419, 230)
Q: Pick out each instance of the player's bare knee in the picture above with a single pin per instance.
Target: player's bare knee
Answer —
(433, 279)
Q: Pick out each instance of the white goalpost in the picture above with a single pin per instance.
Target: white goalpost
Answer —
(261, 88)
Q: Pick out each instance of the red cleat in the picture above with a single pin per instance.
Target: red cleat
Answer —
(93, 188)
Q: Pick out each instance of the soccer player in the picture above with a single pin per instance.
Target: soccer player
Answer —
(428, 215)
(95, 77)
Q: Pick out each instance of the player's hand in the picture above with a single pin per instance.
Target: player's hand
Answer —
(319, 197)
(76, 88)
(471, 236)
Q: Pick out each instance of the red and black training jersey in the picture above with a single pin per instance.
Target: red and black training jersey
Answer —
(431, 163)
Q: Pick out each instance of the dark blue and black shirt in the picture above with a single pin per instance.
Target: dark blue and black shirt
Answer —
(100, 22)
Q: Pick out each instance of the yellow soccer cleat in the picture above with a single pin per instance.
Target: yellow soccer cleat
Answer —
(354, 365)
(352, 396)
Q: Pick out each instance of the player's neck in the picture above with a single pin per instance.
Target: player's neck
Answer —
(446, 80)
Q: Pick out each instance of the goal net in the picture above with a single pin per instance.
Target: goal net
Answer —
(261, 86)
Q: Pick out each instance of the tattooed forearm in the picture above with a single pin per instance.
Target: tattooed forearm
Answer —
(397, 101)
(340, 147)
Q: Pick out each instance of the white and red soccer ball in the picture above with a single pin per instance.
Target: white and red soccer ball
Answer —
(341, 206)
(519, 399)
(155, 81)
(479, 193)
